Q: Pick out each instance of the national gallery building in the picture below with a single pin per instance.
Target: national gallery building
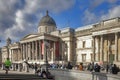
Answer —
(99, 42)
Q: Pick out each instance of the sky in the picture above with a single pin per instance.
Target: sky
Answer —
(21, 17)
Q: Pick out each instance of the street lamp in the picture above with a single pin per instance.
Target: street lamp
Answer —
(45, 73)
(46, 57)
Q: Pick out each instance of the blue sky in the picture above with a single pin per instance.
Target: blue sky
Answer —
(21, 17)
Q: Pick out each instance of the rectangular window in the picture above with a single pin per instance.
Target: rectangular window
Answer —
(91, 56)
(84, 57)
(83, 44)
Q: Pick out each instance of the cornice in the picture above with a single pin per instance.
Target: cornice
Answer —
(83, 32)
(99, 27)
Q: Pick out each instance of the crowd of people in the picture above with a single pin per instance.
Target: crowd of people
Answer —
(92, 67)
(111, 68)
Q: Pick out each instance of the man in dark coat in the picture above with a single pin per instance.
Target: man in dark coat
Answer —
(115, 69)
(69, 66)
(97, 68)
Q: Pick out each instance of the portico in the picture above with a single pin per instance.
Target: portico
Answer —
(33, 49)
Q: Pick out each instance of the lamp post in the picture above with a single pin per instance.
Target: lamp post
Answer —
(46, 74)
(46, 60)
(46, 57)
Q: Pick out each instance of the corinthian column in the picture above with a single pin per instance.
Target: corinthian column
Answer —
(93, 48)
(98, 49)
(101, 50)
(39, 52)
(54, 51)
(23, 51)
(116, 46)
(30, 50)
(33, 50)
(36, 51)
(27, 51)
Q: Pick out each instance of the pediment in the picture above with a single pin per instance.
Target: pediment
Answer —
(30, 36)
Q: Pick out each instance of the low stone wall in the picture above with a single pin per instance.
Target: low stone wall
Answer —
(81, 75)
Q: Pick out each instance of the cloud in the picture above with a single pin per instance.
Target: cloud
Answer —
(96, 3)
(7, 10)
(90, 17)
(113, 1)
(114, 12)
(21, 17)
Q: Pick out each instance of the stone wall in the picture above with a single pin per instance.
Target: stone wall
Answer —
(81, 75)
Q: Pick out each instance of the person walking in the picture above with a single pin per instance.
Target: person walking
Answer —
(7, 65)
(90, 67)
(81, 67)
(115, 69)
(69, 66)
(35, 67)
(107, 68)
(97, 68)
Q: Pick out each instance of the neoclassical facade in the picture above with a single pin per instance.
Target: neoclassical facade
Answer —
(99, 42)
(57, 45)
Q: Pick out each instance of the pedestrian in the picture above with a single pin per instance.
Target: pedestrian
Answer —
(97, 68)
(107, 68)
(90, 67)
(7, 65)
(35, 67)
(115, 69)
(69, 66)
(81, 67)
(110, 67)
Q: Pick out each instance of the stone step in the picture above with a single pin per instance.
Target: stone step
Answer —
(21, 77)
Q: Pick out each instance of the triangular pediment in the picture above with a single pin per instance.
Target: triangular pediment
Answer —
(30, 36)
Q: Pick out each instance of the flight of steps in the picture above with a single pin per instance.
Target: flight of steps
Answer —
(21, 77)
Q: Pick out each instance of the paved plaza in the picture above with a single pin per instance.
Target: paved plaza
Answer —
(17, 72)
(17, 75)
(31, 71)
(59, 75)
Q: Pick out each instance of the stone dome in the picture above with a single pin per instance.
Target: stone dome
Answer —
(47, 21)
